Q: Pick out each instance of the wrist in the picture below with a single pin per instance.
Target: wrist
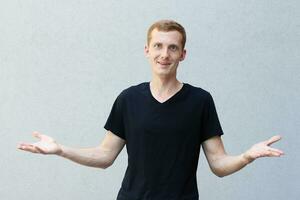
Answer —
(246, 159)
(60, 151)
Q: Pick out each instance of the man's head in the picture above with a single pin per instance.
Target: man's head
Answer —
(165, 47)
(166, 26)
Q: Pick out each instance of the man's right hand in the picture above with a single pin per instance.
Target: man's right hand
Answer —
(45, 145)
(101, 156)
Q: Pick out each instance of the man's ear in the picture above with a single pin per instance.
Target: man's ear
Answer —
(183, 55)
(146, 50)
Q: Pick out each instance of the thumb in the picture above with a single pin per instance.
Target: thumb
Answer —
(273, 140)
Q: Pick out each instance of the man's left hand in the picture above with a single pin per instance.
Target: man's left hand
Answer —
(263, 149)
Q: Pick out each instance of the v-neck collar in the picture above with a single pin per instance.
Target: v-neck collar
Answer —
(170, 99)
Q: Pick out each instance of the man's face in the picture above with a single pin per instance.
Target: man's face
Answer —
(165, 52)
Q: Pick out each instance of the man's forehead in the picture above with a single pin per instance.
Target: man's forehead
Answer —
(166, 36)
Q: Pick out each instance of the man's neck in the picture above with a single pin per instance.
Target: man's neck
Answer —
(163, 88)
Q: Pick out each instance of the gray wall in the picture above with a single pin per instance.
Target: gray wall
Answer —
(62, 64)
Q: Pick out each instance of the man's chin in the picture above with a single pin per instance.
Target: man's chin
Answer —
(164, 73)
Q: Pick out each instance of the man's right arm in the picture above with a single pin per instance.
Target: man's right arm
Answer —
(101, 156)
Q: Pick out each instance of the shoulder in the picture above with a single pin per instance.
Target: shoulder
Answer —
(198, 92)
(133, 90)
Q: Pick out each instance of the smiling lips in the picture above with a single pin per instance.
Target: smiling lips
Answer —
(163, 63)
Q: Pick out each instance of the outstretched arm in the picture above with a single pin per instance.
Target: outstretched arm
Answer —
(101, 156)
(222, 164)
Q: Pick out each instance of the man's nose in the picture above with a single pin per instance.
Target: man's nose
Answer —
(165, 53)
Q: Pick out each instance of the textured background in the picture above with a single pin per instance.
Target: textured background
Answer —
(62, 64)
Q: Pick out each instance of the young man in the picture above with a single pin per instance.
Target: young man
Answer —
(163, 124)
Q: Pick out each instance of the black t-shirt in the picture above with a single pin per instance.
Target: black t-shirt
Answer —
(162, 140)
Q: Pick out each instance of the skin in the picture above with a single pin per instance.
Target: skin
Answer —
(164, 53)
(101, 156)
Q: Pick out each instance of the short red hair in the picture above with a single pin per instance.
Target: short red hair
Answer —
(167, 25)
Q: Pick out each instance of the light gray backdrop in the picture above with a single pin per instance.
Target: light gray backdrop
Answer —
(62, 64)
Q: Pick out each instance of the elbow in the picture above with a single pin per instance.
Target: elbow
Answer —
(105, 164)
(218, 167)
(220, 175)
(102, 159)
(219, 172)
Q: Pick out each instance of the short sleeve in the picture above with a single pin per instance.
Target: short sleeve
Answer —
(115, 122)
(210, 122)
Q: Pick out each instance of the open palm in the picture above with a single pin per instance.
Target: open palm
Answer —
(263, 149)
(45, 145)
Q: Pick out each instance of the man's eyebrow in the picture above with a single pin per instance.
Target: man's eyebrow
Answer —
(157, 43)
(174, 45)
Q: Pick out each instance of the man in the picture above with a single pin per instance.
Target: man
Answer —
(163, 124)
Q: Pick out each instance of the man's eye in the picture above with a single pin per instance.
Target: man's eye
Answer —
(156, 45)
(173, 48)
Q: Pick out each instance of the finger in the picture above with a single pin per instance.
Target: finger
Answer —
(23, 145)
(273, 154)
(270, 153)
(20, 144)
(277, 151)
(28, 147)
(272, 140)
(40, 150)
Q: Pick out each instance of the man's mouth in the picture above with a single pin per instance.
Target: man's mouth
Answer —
(163, 63)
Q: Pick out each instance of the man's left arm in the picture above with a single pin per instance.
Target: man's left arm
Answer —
(222, 164)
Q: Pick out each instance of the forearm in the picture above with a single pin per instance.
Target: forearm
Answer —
(227, 164)
(92, 157)
(222, 164)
